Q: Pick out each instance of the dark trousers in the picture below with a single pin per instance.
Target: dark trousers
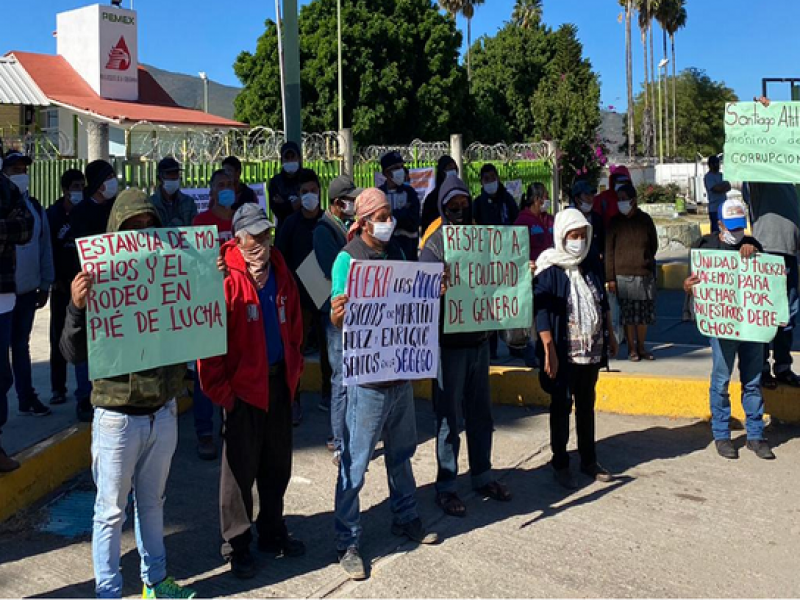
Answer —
(784, 337)
(257, 449)
(6, 376)
(713, 217)
(580, 387)
(58, 365)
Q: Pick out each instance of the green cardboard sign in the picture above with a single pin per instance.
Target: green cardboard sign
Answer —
(739, 299)
(762, 143)
(157, 299)
(490, 283)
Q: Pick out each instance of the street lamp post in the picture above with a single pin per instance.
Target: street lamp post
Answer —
(662, 66)
(204, 77)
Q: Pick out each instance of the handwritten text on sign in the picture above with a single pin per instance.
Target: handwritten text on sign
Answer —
(490, 280)
(391, 325)
(157, 299)
(739, 299)
(762, 143)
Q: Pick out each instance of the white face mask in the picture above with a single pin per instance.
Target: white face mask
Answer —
(171, 186)
(76, 197)
(625, 206)
(399, 176)
(575, 247)
(546, 206)
(310, 201)
(110, 189)
(349, 208)
(491, 188)
(22, 181)
(733, 238)
(291, 167)
(383, 231)
(585, 207)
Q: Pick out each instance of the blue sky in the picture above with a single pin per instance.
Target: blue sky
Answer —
(736, 41)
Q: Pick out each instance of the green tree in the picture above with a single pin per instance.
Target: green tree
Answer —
(699, 115)
(527, 13)
(467, 9)
(402, 79)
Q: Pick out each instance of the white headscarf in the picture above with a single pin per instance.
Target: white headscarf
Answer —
(583, 301)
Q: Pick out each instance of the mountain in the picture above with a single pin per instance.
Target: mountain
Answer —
(612, 131)
(187, 90)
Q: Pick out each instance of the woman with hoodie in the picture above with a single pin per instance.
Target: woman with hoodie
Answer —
(575, 341)
(462, 389)
(430, 208)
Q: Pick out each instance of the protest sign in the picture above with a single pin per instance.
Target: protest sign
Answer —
(762, 143)
(490, 284)
(423, 180)
(738, 298)
(202, 196)
(157, 299)
(313, 279)
(391, 324)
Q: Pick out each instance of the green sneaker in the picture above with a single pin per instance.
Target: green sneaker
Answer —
(168, 589)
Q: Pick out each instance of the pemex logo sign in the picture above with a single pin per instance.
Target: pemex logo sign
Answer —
(119, 58)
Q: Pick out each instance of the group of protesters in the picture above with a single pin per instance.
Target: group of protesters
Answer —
(591, 260)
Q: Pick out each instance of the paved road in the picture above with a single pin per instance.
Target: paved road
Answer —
(678, 522)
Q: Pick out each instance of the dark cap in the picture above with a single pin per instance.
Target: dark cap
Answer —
(390, 159)
(14, 157)
(167, 164)
(285, 148)
(343, 187)
(582, 187)
(251, 219)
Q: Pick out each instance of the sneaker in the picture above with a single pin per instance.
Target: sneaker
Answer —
(597, 473)
(35, 409)
(206, 449)
(168, 589)
(58, 398)
(282, 546)
(84, 410)
(297, 413)
(761, 449)
(726, 449)
(564, 478)
(7, 464)
(352, 564)
(243, 566)
(415, 531)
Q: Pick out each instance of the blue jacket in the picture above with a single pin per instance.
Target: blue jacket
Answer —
(550, 293)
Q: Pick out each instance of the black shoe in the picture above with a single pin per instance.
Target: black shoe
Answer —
(243, 566)
(415, 531)
(282, 546)
(761, 449)
(788, 378)
(564, 479)
(352, 564)
(34, 408)
(726, 449)
(768, 382)
(58, 398)
(597, 473)
(84, 410)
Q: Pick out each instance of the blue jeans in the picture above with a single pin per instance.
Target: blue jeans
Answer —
(333, 335)
(23, 315)
(131, 451)
(372, 414)
(6, 378)
(203, 409)
(784, 338)
(723, 354)
(83, 387)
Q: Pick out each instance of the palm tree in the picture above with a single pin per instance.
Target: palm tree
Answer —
(664, 12)
(645, 8)
(467, 10)
(528, 13)
(628, 4)
(676, 21)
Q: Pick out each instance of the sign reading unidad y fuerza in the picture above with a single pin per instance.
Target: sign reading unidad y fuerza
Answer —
(737, 298)
(157, 299)
(391, 325)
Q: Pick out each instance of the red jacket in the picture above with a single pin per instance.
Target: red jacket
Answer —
(244, 371)
(606, 203)
(540, 228)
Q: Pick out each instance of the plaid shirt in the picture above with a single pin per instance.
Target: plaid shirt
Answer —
(16, 227)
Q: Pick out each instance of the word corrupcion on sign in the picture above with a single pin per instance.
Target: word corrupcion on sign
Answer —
(490, 284)
(391, 324)
(737, 298)
(157, 299)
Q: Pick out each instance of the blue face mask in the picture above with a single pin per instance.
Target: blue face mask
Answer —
(226, 198)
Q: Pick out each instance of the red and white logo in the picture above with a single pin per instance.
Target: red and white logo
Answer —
(119, 59)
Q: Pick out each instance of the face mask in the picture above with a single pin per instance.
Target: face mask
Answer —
(22, 181)
(383, 231)
(586, 207)
(491, 188)
(257, 259)
(349, 208)
(291, 167)
(546, 206)
(75, 197)
(575, 247)
(226, 198)
(110, 189)
(310, 201)
(624, 206)
(456, 217)
(171, 186)
(398, 176)
(733, 238)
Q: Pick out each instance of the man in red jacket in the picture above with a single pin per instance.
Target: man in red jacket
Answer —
(255, 383)
(605, 204)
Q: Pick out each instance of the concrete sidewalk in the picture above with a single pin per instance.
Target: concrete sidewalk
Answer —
(678, 522)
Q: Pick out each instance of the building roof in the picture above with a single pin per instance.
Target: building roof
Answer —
(62, 85)
(16, 86)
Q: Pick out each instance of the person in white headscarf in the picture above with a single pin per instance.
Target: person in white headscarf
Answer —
(575, 340)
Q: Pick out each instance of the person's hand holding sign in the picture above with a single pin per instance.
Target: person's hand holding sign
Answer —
(338, 305)
(81, 286)
(689, 283)
(445, 280)
(747, 250)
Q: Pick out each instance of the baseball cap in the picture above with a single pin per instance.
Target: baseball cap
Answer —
(582, 187)
(168, 164)
(13, 157)
(733, 214)
(343, 186)
(251, 219)
(390, 159)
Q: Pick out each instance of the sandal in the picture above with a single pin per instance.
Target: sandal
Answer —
(496, 491)
(633, 357)
(451, 504)
(647, 356)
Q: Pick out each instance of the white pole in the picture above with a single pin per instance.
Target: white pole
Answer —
(280, 61)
